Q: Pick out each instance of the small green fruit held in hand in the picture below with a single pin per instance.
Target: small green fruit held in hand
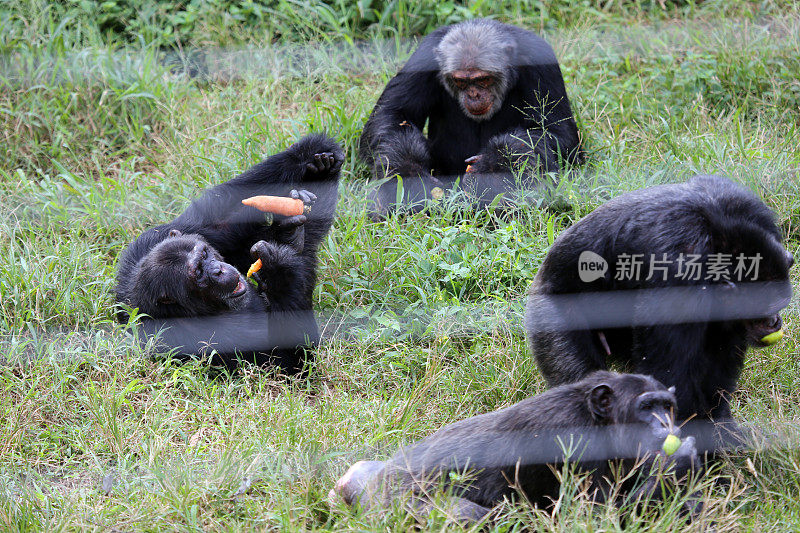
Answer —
(772, 338)
(671, 444)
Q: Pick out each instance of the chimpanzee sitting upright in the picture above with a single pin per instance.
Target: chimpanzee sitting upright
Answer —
(675, 281)
(492, 94)
(604, 417)
(188, 275)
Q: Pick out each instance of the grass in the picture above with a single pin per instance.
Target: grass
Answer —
(100, 139)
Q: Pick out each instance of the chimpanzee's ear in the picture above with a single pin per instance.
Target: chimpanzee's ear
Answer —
(175, 233)
(599, 401)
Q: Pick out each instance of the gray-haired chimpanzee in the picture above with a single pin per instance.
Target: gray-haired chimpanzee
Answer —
(674, 281)
(188, 275)
(491, 94)
(483, 459)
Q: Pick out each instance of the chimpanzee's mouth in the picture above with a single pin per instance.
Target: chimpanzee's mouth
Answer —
(759, 329)
(240, 289)
(480, 109)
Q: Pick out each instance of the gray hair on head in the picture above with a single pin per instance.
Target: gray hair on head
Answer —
(480, 44)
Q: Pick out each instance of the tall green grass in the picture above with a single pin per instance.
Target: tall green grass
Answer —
(184, 23)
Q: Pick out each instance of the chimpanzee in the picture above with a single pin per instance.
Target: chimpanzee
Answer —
(483, 459)
(493, 98)
(187, 276)
(674, 281)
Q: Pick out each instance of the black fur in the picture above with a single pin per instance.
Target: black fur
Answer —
(273, 323)
(691, 334)
(534, 123)
(603, 417)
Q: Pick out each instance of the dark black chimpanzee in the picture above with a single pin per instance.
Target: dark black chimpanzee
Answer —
(606, 416)
(492, 94)
(674, 281)
(188, 275)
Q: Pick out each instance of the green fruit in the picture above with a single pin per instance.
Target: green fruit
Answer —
(772, 338)
(671, 444)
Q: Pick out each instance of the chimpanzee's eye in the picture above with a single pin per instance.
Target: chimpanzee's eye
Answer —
(460, 83)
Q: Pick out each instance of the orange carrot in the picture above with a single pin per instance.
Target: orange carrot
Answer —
(255, 267)
(470, 168)
(276, 204)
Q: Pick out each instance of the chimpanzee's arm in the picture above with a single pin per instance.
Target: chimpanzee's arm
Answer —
(659, 477)
(286, 280)
(392, 142)
(542, 85)
(312, 163)
(251, 335)
(296, 167)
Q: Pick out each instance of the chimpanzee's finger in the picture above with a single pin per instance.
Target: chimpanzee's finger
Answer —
(292, 222)
(258, 278)
(258, 249)
(308, 197)
(324, 161)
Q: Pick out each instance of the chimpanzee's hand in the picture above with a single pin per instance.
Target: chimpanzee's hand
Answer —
(264, 250)
(308, 197)
(291, 230)
(687, 447)
(324, 162)
(488, 162)
(269, 254)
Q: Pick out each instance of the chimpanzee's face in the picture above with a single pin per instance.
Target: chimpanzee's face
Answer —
(478, 92)
(639, 408)
(185, 276)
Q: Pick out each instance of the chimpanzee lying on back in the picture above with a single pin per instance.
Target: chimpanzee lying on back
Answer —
(675, 281)
(604, 416)
(188, 275)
